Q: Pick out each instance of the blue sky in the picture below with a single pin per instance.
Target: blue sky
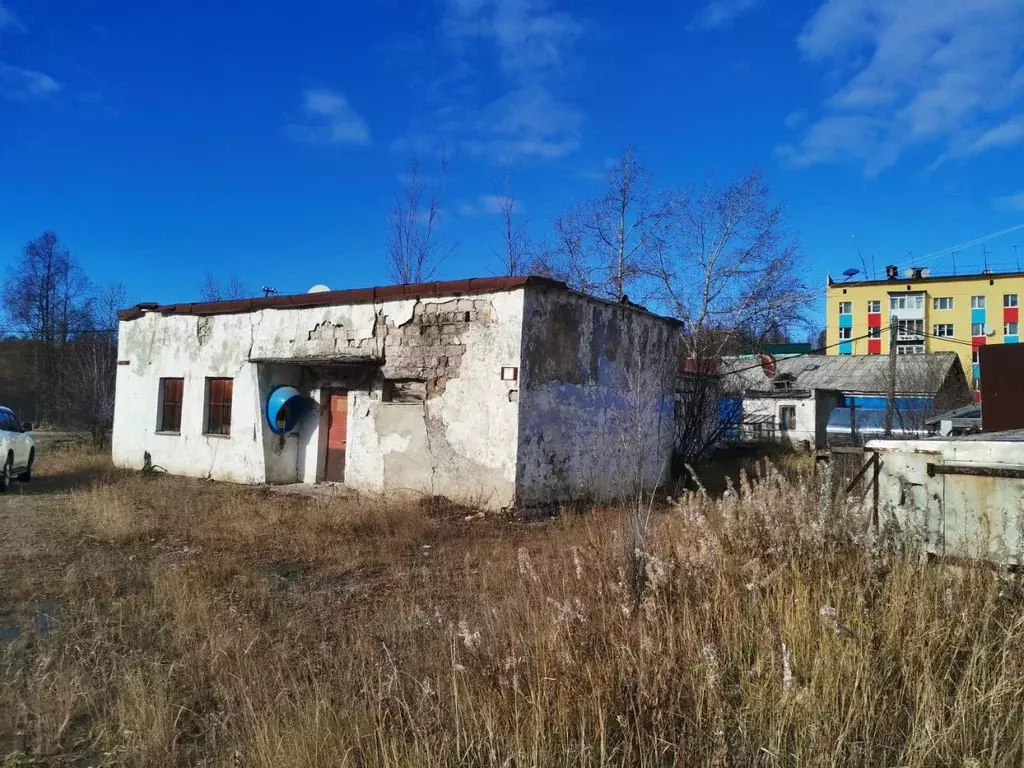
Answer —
(162, 140)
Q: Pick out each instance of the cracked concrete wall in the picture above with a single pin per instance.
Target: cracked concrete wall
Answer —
(461, 442)
(597, 399)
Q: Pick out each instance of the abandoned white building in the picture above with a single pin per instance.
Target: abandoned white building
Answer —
(499, 391)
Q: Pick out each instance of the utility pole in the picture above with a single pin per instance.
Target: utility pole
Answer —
(890, 400)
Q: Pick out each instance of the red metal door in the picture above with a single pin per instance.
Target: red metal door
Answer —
(337, 437)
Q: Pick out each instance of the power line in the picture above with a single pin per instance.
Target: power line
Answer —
(811, 352)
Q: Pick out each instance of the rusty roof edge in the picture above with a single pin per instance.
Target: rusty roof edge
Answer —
(474, 285)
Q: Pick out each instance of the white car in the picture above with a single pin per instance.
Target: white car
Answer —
(17, 449)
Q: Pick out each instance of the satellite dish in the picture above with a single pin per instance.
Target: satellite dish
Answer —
(850, 273)
(989, 330)
(318, 288)
(768, 364)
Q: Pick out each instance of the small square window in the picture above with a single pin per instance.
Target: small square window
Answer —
(217, 419)
(171, 392)
(874, 306)
(944, 330)
(1009, 329)
(977, 302)
(845, 307)
(787, 417)
(977, 329)
(1010, 300)
(874, 333)
(845, 334)
(942, 302)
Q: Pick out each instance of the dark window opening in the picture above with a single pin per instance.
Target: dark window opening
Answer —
(404, 391)
(218, 406)
(171, 396)
(787, 417)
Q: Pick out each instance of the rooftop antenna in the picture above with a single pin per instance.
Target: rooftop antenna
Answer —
(861, 255)
(984, 253)
(267, 290)
(1016, 258)
(872, 266)
(954, 263)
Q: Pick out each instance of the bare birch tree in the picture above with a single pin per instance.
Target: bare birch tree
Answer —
(607, 246)
(414, 251)
(47, 299)
(516, 251)
(730, 272)
(210, 289)
(92, 365)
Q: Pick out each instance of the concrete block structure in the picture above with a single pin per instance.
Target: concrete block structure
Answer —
(500, 392)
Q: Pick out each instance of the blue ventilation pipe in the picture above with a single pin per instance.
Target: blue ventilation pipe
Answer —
(285, 407)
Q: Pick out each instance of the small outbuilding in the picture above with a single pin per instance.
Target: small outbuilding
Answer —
(502, 392)
(812, 400)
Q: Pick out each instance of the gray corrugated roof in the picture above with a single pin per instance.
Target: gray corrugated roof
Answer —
(915, 374)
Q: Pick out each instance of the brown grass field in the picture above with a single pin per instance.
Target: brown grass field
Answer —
(155, 621)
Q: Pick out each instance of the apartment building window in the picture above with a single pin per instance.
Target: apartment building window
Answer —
(217, 419)
(977, 329)
(845, 307)
(906, 301)
(909, 329)
(1010, 300)
(974, 355)
(171, 391)
(1009, 329)
(910, 349)
(787, 417)
(845, 334)
(874, 333)
(874, 306)
(942, 329)
(942, 302)
(977, 302)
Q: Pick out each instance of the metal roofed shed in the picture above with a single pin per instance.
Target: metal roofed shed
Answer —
(817, 400)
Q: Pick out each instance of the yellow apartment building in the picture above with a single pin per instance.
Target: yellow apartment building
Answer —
(957, 313)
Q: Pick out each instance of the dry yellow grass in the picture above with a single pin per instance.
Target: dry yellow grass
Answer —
(202, 624)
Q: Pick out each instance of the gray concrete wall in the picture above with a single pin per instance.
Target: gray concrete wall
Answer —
(596, 403)
(960, 515)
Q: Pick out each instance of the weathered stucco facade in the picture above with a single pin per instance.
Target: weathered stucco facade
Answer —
(525, 393)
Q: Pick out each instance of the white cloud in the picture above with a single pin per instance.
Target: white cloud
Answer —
(943, 74)
(329, 119)
(486, 205)
(521, 54)
(796, 118)
(721, 13)
(1010, 202)
(25, 84)
(9, 21)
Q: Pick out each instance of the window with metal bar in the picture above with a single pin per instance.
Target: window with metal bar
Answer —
(218, 406)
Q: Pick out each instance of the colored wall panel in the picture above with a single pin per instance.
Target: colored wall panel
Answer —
(874, 319)
(1010, 314)
(977, 315)
(874, 346)
(846, 321)
(1011, 339)
(846, 348)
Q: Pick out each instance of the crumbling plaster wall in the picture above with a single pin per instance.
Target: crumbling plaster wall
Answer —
(596, 400)
(461, 442)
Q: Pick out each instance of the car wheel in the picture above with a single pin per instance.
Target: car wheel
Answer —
(5, 475)
(26, 476)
